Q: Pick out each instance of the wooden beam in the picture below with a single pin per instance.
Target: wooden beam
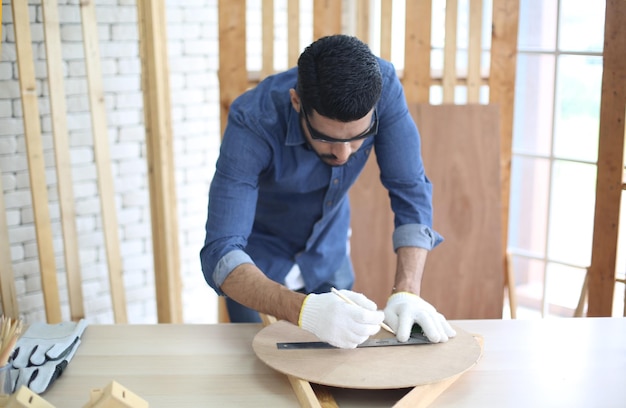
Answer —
(363, 20)
(100, 131)
(449, 51)
(306, 395)
(610, 163)
(232, 72)
(7, 278)
(474, 51)
(293, 32)
(160, 152)
(386, 13)
(502, 92)
(416, 80)
(326, 18)
(267, 52)
(36, 165)
(1, 31)
(58, 108)
(10, 307)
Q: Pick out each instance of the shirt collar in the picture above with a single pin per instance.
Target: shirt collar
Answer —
(295, 136)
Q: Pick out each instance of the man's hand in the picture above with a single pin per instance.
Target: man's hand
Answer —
(339, 323)
(405, 309)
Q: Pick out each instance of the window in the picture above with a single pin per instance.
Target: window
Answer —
(555, 148)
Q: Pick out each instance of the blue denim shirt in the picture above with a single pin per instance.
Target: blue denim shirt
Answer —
(273, 202)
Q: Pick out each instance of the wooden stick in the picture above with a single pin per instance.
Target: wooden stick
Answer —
(347, 300)
(10, 332)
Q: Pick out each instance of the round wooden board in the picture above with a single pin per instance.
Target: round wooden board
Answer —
(366, 368)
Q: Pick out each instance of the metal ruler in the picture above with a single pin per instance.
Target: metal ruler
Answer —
(392, 341)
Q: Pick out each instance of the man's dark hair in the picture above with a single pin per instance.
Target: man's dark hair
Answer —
(339, 77)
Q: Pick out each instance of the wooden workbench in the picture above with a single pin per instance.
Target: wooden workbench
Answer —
(526, 363)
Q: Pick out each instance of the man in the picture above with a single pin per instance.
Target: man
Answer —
(279, 217)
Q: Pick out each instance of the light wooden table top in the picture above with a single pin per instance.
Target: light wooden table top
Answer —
(526, 363)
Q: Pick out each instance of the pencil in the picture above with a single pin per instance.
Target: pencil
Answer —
(347, 300)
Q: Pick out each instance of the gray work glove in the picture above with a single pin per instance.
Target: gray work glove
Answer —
(39, 378)
(43, 352)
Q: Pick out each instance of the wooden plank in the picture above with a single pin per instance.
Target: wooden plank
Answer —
(268, 38)
(303, 389)
(474, 51)
(463, 276)
(326, 18)
(509, 282)
(293, 32)
(363, 20)
(386, 13)
(160, 156)
(36, 165)
(449, 51)
(422, 396)
(232, 73)
(10, 307)
(58, 108)
(610, 163)
(8, 294)
(417, 46)
(103, 161)
(502, 92)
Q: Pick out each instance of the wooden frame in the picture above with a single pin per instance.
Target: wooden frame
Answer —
(160, 163)
(611, 155)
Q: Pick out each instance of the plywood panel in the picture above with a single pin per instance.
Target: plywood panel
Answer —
(464, 276)
(361, 368)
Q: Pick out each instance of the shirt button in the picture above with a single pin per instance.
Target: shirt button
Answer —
(336, 181)
(329, 203)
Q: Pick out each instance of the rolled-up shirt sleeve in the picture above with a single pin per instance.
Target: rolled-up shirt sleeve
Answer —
(415, 235)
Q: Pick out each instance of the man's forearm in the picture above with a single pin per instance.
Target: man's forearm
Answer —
(247, 285)
(410, 269)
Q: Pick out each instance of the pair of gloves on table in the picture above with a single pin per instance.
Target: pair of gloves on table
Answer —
(346, 326)
(42, 353)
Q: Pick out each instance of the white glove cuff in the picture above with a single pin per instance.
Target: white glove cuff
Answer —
(309, 312)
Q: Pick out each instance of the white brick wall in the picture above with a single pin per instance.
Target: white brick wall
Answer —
(192, 46)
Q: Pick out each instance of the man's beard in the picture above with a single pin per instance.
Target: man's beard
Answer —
(328, 158)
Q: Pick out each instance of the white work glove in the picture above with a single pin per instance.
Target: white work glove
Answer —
(404, 309)
(339, 323)
(43, 342)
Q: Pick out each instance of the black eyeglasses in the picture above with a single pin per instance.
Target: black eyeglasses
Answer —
(319, 136)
